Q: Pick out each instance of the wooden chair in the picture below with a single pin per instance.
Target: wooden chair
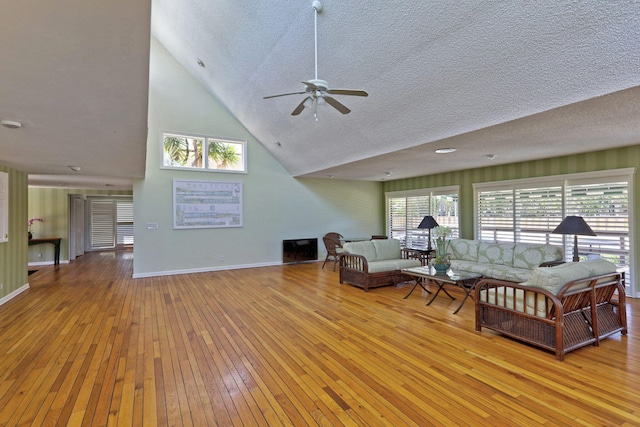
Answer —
(334, 248)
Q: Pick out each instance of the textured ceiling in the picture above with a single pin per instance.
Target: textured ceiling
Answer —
(521, 80)
(517, 79)
(76, 74)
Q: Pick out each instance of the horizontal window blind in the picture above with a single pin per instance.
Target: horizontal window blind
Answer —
(529, 210)
(495, 215)
(605, 207)
(406, 211)
(537, 212)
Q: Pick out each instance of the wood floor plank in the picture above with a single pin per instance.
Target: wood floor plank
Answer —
(284, 345)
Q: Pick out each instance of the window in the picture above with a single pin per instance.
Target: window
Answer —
(529, 210)
(187, 152)
(406, 209)
(110, 223)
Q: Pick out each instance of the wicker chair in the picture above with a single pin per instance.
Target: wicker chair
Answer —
(559, 322)
(333, 246)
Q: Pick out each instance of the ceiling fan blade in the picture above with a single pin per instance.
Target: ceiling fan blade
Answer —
(284, 94)
(300, 107)
(347, 92)
(335, 104)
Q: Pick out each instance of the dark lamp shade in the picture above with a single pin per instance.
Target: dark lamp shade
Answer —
(428, 222)
(574, 225)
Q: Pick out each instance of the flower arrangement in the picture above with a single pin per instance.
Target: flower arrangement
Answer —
(442, 242)
(32, 220)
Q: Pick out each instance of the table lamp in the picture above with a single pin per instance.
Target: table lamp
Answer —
(428, 222)
(575, 225)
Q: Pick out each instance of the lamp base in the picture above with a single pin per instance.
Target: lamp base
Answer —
(576, 256)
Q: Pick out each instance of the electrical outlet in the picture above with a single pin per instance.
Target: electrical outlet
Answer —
(39, 254)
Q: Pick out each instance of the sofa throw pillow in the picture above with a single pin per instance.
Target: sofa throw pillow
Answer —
(387, 249)
(554, 278)
(496, 253)
(463, 249)
(526, 255)
(365, 249)
(598, 267)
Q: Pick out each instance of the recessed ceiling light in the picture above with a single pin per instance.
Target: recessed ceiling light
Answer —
(11, 124)
(490, 156)
(75, 168)
(388, 173)
(446, 150)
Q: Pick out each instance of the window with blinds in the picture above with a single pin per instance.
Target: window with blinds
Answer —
(405, 211)
(605, 207)
(124, 222)
(529, 210)
(110, 223)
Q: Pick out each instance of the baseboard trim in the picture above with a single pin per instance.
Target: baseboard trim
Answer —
(203, 270)
(14, 294)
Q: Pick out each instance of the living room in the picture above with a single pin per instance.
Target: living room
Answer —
(277, 205)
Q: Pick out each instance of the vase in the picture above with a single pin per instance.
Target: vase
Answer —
(441, 268)
(30, 236)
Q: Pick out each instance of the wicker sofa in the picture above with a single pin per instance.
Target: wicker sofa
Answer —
(505, 261)
(560, 308)
(374, 263)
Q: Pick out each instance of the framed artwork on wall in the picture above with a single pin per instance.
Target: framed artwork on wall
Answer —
(206, 204)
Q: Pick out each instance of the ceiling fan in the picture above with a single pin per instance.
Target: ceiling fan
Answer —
(317, 90)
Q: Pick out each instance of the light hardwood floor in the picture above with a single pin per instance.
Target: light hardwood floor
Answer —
(285, 345)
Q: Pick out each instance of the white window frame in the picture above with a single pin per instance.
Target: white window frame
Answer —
(412, 223)
(565, 181)
(207, 139)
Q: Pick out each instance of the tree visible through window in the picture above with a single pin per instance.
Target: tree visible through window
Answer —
(183, 151)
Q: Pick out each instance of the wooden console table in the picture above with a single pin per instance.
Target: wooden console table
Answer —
(55, 241)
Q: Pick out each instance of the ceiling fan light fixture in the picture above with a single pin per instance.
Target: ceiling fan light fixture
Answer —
(318, 91)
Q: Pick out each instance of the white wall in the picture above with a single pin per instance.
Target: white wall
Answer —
(276, 205)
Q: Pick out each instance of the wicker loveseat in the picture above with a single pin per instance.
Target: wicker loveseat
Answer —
(374, 263)
(505, 261)
(560, 308)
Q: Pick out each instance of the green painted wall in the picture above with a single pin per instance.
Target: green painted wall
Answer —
(587, 162)
(52, 205)
(13, 254)
(617, 158)
(276, 205)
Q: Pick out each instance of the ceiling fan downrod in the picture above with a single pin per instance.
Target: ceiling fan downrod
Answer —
(317, 7)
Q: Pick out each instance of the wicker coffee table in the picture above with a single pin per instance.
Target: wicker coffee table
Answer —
(465, 280)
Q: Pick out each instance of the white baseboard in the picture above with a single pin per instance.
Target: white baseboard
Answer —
(14, 294)
(35, 264)
(202, 270)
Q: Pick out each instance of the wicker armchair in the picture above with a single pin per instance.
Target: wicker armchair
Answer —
(334, 248)
(583, 312)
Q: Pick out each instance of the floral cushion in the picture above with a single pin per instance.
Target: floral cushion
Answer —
(496, 253)
(464, 249)
(554, 278)
(530, 256)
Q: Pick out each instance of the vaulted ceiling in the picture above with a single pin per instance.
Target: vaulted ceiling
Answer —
(509, 80)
